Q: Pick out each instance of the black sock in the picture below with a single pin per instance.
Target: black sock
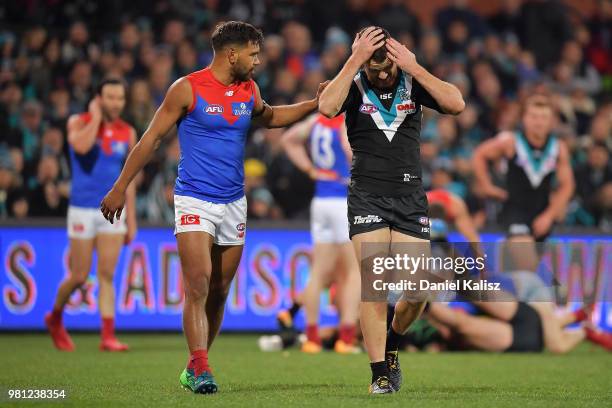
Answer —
(393, 340)
(379, 369)
(295, 308)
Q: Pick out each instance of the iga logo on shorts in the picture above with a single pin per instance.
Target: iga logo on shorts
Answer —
(241, 228)
(214, 109)
(78, 227)
(368, 108)
(190, 219)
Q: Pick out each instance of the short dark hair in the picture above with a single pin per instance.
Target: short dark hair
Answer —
(235, 32)
(380, 55)
(110, 81)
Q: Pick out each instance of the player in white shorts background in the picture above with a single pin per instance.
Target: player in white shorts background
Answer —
(99, 142)
(333, 257)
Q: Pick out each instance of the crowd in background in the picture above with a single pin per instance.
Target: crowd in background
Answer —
(53, 53)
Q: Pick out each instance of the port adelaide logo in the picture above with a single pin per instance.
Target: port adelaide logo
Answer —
(406, 104)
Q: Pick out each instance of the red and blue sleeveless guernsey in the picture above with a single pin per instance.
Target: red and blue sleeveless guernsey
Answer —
(328, 156)
(95, 172)
(212, 137)
(443, 198)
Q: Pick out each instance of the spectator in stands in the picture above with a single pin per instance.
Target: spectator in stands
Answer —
(300, 55)
(46, 199)
(594, 188)
(544, 28)
(397, 18)
(6, 182)
(29, 135)
(80, 84)
(53, 144)
(140, 109)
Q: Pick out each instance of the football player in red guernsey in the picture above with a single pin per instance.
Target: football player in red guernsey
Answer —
(99, 142)
(213, 109)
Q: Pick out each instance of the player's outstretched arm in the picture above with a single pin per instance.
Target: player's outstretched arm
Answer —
(178, 99)
(285, 115)
(335, 93)
(446, 95)
(492, 150)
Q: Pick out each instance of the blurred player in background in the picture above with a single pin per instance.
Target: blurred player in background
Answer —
(329, 167)
(536, 160)
(213, 109)
(451, 209)
(382, 89)
(99, 142)
(515, 326)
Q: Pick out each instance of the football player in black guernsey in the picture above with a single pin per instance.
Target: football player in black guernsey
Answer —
(382, 88)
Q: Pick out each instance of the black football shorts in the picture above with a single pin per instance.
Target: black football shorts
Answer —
(406, 214)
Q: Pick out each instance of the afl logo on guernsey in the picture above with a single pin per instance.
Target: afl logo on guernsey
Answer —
(214, 109)
(368, 108)
(240, 109)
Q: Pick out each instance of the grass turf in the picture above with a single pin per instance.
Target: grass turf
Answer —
(148, 376)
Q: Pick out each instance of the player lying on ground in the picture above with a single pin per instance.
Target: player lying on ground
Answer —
(213, 109)
(328, 165)
(99, 141)
(515, 326)
(382, 89)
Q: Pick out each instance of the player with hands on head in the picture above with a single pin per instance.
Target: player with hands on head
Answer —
(382, 89)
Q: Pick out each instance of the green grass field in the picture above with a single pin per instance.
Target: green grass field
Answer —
(148, 376)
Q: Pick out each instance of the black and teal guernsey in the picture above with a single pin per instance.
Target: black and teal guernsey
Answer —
(384, 127)
(529, 179)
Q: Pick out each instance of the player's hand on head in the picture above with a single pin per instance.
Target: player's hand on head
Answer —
(112, 205)
(400, 55)
(94, 108)
(367, 42)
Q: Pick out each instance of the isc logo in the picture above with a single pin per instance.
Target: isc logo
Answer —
(368, 108)
(214, 109)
